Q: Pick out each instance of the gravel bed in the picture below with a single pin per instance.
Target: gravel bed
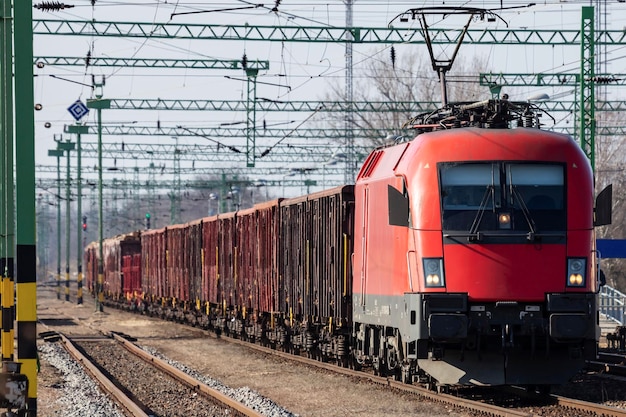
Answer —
(78, 394)
(244, 395)
(161, 394)
(609, 391)
(590, 387)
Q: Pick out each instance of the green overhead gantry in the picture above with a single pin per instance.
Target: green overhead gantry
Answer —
(544, 79)
(320, 34)
(587, 37)
(234, 132)
(232, 64)
(408, 107)
(283, 153)
(255, 172)
(300, 134)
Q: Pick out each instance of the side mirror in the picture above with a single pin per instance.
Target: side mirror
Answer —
(398, 207)
(604, 207)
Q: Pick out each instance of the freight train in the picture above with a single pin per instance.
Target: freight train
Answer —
(465, 256)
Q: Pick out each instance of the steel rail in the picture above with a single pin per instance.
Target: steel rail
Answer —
(105, 383)
(187, 379)
(598, 409)
(488, 409)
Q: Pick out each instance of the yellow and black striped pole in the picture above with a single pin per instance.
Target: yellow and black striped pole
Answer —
(7, 203)
(26, 252)
(6, 337)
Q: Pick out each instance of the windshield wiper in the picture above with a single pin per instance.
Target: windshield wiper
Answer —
(532, 234)
(473, 232)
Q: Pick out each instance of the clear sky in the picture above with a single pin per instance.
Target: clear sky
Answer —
(298, 71)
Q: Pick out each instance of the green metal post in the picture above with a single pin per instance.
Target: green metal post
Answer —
(79, 129)
(251, 117)
(175, 197)
(587, 79)
(58, 154)
(67, 147)
(26, 250)
(99, 103)
(7, 204)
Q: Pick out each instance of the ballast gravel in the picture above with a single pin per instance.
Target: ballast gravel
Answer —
(81, 395)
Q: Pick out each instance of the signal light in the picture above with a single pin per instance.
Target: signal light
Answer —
(147, 220)
(84, 223)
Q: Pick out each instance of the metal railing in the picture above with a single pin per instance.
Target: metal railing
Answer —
(613, 304)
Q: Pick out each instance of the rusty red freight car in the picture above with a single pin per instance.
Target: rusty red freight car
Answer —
(90, 266)
(194, 264)
(120, 281)
(227, 264)
(316, 246)
(268, 254)
(131, 276)
(211, 254)
(177, 274)
(153, 271)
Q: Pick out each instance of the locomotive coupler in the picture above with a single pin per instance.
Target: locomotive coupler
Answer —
(507, 333)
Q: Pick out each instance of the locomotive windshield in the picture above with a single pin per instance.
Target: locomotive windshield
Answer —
(503, 197)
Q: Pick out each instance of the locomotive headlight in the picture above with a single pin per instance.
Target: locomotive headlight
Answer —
(576, 272)
(433, 272)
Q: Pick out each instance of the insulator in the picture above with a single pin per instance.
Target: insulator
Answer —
(244, 61)
(528, 119)
(52, 6)
(604, 80)
(393, 57)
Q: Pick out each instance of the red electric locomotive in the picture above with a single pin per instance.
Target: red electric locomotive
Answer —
(486, 272)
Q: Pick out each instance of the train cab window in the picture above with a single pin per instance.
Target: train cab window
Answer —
(467, 188)
(502, 197)
(538, 189)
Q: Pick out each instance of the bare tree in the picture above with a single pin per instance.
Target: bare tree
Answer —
(609, 169)
(408, 77)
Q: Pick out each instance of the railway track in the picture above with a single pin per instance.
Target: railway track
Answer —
(487, 404)
(474, 405)
(143, 384)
